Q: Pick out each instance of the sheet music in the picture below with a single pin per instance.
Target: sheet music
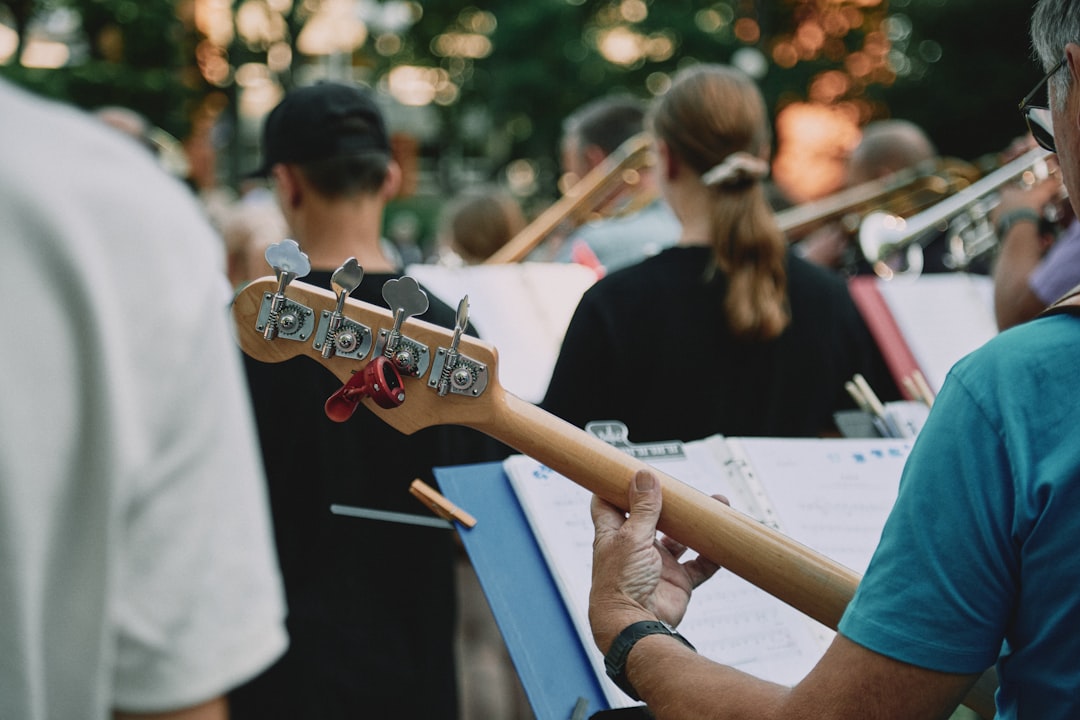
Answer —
(942, 316)
(831, 495)
(908, 415)
(523, 309)
(728, 620)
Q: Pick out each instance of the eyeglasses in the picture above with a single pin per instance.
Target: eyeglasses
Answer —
(1038, 116)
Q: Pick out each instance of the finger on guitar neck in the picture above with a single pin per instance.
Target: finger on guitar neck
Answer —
(812, 583)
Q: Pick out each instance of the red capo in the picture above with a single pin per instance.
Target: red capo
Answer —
(379, 380)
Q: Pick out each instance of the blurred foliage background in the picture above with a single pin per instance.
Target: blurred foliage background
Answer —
(477, 92)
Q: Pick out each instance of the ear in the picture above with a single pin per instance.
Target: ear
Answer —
(392, 184)
(287, 184)
(668, 161)
(1072, 59)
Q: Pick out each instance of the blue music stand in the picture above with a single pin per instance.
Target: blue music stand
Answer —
(542, 640)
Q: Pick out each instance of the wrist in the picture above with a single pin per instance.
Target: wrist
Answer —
(615, 659)
(606, 625)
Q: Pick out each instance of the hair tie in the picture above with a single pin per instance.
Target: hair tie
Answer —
(736, 167)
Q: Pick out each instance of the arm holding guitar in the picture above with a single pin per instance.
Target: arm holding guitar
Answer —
(462, 389)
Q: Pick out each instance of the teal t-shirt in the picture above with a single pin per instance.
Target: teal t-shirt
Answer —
(980, 559)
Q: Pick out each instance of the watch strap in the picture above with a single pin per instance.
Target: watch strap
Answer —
(1008, 219)
(615, 660)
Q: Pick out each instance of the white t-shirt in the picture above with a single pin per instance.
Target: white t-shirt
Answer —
(136, 557)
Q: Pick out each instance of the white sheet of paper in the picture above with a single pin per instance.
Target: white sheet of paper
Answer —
(523, 309)
(942, 317)
(831, 495)
(729, 620)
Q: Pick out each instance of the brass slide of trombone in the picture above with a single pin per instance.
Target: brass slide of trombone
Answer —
(902, 193)
(885, 236)
(929, 195)
(573, 208)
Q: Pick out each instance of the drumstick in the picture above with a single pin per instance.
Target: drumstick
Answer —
(924, 388)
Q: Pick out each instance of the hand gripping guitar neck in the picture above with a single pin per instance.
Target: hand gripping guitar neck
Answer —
(451, 378)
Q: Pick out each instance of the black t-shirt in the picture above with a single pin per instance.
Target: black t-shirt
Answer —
(649, 346)
(371, 603)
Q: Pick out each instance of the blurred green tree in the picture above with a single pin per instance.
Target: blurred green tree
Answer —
(970, 63)
(510, 71)
(128, 53)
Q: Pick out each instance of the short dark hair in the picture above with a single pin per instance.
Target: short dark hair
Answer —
(606, 122)
(347, 175)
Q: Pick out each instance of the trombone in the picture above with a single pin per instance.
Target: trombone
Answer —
(904, 193)
(599, 184)
(885, 238)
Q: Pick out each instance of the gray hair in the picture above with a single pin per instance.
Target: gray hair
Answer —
(1054, 24)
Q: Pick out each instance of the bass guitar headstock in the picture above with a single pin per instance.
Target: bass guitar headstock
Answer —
(412, 373)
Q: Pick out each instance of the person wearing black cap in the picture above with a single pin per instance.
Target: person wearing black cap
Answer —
(371, 604)
(327, 153)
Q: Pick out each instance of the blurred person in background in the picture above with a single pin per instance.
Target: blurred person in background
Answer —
(635, 221)
(977, 563)
(476, 223)
(138, 577)
(776, 336)
(372, 636)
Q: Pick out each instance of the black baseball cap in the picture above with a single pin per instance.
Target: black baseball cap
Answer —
(321, 121)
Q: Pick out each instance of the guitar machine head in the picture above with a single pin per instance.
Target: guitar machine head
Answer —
(349, 331)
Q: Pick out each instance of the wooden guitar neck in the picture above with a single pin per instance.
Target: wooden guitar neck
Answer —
(788, 570)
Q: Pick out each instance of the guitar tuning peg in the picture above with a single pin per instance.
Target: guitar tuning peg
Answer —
(449, 358)
(461, 322)
(379, 380)
(289, 263)
(338, 335)
(406, 299)
(346, 279)
(453, 372)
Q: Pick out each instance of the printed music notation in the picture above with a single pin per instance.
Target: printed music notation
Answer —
(830, 494)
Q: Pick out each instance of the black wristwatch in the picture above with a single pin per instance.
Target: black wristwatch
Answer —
(615, 660)
(1009, 219)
